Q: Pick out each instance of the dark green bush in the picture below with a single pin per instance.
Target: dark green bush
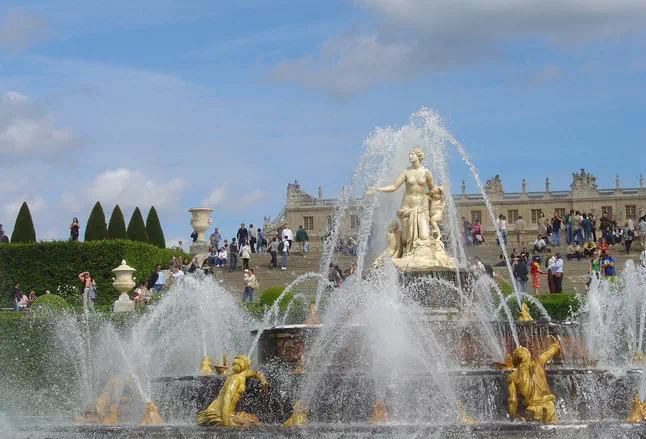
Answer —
(558, 306)
(271, 294)
(154, 229)
(50, 301)
(117, 225)
(55, 265)
(137, 228)
(96, 229)
(23, 230)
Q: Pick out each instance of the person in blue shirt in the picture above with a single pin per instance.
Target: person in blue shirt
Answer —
(607, 264)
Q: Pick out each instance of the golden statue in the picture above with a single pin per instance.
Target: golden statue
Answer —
(638, 357)
(379, 412)
(298, 417)
(151, 415)
(222, 410)
(529, 379)
(206, 366)
(524, 315)
(312, 316)
(507, 365)
(419, 247)
(223, 369)
(463, 417)
(104, 409)
(300, 365)
(638, 410)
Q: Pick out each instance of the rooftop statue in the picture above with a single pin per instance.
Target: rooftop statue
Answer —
(418, 246)
(222, 410)
(528, 379)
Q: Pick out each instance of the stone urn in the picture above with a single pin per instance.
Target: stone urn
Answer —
(123, 282)
(200, 223)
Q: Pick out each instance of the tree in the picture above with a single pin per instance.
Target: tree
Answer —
(96, 229)
(154, 229)
(23, 230)
(137, 228)
(117, 225)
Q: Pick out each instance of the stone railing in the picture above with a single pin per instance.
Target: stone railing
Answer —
(552, 194)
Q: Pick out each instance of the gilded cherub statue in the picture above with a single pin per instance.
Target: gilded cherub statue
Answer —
(638, 410)
(222, 410)
(206, 366)
(524, 315)
(151, 415)
(530, 381)
(105, 408)
(298, 417)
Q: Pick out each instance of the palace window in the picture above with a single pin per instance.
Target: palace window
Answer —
(606, 209)
(512, 216)
(560, 211)
(354, 221)
(536, 214)
(329, 222)
(631, 211)
(308, 222)
(476, 215)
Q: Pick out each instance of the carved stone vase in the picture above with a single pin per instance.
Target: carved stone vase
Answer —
(123, 282)
(200, 223)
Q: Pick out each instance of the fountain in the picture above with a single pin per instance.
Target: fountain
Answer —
(414, 345)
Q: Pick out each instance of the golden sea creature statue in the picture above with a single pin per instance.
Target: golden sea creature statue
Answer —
(379, 412)
(463, 416)
(222, 410)
(530, 381)
(418, 246)
(206, 366)
(104, 409)
(151, 415)
(638, 410)
(524, 315)
(298, 417)
(312, 316)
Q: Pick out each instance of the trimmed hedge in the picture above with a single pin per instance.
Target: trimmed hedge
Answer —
(56, 265)
(271, 294)
(23, 230)
(154, 229)
(137, 228)
(96, 229)
(117, 225)
(50, 302)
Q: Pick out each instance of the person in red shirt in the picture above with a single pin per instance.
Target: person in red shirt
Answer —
(603, 245)
(534, 271)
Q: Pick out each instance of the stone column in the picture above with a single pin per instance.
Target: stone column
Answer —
(200, 223)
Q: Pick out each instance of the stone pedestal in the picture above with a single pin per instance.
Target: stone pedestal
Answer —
(200, 223)
(438, 290)
(124, 304)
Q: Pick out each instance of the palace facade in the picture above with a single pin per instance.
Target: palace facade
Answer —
(316, 214)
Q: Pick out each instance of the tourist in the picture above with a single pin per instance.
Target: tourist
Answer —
(514, 253)
(138, 294)
(577, 226)
(284, 251)
(642, 258)
(177, 274)
(607, 264)
(630, 223)
(301, 238)
(233, 254)
(574, 252)
(215, 239)
(567, 220)
(535, 270)
(519, 269)
(603, 245)
(501, 261)
(245, 254)
(549, 260)
(335, 276)
(350, 270)
(194, 236)
(642, 232)
(3, 237)
(180, 246)
(589, 247)
(502, 227)
(261, 242)
(539, 244)
(250, 284)
(179, 262)
(75, 229)
(23, 302)
(206, 268)
(557, 221)
(242, 235)
(226, 245)
(593, 222)
(557, 271)
(587, 227)
(32, 297)
(84, 277)
(603, 225)
(273, 250)
(172, 263)
(478, 267)
(594, 270)
(519, 226)
(253, 238)
(213, 256)
(15, 296)
(222, 258)
(542, 226)
(92, 293)
(156, 279)
(287, 234)
(466, 232)
(628, 237)
(476, 230)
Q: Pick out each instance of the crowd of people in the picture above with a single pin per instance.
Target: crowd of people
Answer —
(23, 301)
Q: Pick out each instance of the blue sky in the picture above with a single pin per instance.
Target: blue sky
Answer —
(183, 103)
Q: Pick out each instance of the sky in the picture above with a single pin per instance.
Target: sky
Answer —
(184, 103)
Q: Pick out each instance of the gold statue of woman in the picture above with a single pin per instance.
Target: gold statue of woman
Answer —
(421, 208)
(222, 410)
(530, 381)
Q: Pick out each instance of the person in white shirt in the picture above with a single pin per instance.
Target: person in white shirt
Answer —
(245, 254)
(253, 238)
(222, 258)
(478, 267)
(642, 231)
(642, 258)
(556, 267)
(285, 251)
(288, 235)
(502, 226)
(178, 274)
(539, 244)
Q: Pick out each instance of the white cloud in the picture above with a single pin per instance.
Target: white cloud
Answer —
(412, 37)
(27, 130)
(250, 198)
(19, 29)
(37, 205)
(216, 197)
(131, 188)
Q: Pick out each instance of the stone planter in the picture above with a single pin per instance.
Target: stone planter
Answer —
(200, 223)
(123, 282)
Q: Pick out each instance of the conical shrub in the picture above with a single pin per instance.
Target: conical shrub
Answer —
(117, 225)
(154, 229)
(137, 228)
(23, 230)
(96, 229)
